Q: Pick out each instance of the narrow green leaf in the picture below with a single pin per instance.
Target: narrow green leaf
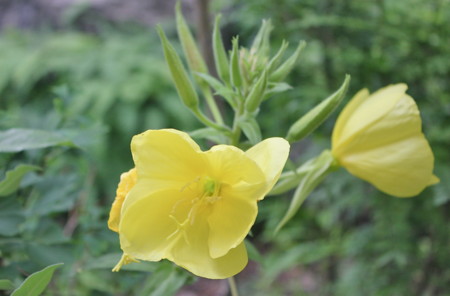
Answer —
(181, 79)
(220, 55)
(13, 177)
(316, 116)
(282, 71)
(36, 283)
(251, 129)
(19, 139)
(275, 88)
(219, 88)
(6, 285)
(322, 165)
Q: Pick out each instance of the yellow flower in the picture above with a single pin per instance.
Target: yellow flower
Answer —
(378, 138)
(192, 207)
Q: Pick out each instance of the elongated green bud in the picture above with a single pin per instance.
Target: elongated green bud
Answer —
(277, 57)
(282, 71)
(235, 69)
(261, 44)
(220, 55)
(193, 56)
(256, 95)
(181, 79)
(311, 120)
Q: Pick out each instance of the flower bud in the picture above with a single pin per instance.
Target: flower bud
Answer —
(311, 120)
(181, 79)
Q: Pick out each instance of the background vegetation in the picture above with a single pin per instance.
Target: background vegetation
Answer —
(88, 91)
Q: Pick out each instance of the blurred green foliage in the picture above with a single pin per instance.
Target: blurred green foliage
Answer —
(87, 94)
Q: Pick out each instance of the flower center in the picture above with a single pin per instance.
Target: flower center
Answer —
(207, 193)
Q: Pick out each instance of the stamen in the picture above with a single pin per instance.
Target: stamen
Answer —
(124, 260)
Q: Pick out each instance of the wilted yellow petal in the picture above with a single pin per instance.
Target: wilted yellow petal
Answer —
(270, 155)
(166, 158)
(127, 181)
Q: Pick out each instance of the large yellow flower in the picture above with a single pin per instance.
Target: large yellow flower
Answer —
(192, 207)
(378, 138)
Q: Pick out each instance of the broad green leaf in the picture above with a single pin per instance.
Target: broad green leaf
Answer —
(13, 177)
(36, 283)
(6, 285)
(19, 139)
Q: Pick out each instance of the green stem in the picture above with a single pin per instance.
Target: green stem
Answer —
(206, 121)
(233, 287)
(236, 131)
(213, 107)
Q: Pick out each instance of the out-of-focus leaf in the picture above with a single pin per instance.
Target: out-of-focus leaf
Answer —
(19, 139)
(36, 283)
(11, 216)
(6, 285)
(13, 177)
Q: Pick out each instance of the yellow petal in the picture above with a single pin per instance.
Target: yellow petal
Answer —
(231, 218)
(270, 155)
(193, 254)
(167, 158)
(345, 114)
(230, 165)
(363, 111)
(127, 181)
(150, 223)
(391, 153)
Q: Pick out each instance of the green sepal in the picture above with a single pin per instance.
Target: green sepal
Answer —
(220, 55)
(318, 169)
(282, 71)
(235, 69)
(180, 77)
(316, 116)
(256, 95)
(250, 127)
